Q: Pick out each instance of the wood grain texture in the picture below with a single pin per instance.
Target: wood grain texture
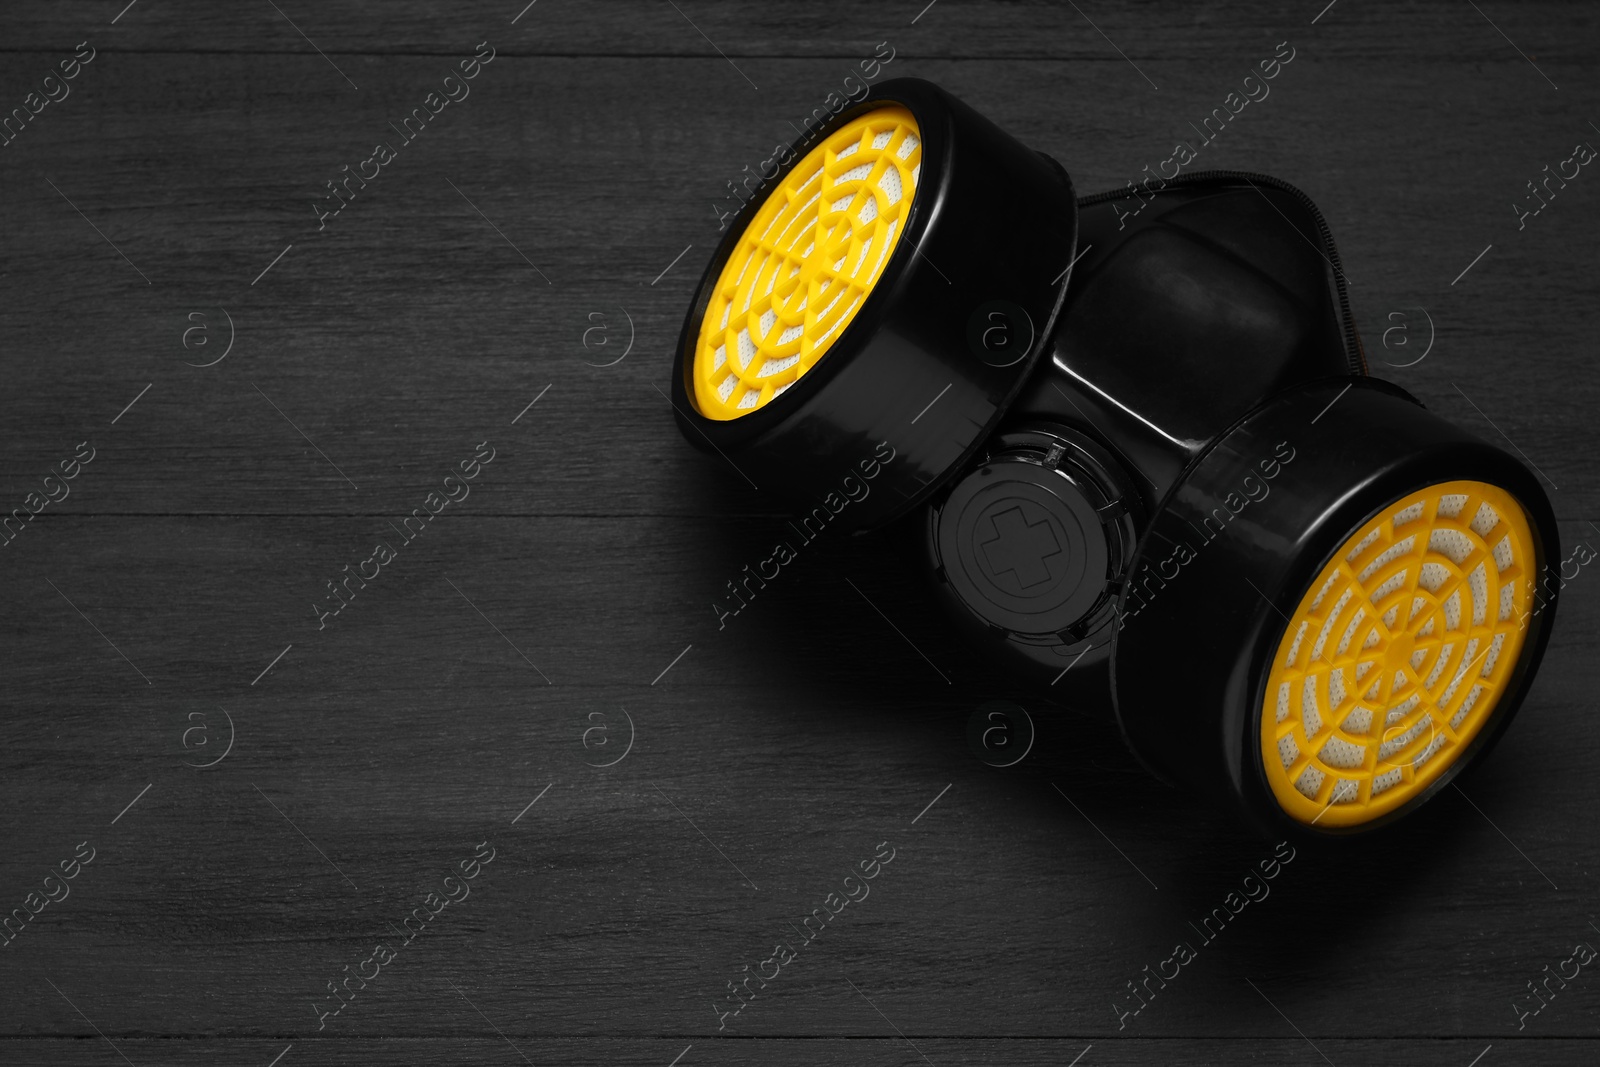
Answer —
(776, 753)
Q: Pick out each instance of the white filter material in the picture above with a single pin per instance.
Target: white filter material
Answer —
(1317, 601)
(1439, 665)
(1469, 662)
(1410, 514)
(1402, 709)
(1395, 582)
(1502, 552)
(887, 241)
(776, 366)
(1432, 576)
(1327, 626)
(890, 184)
(837, 296)
(1478, 583)
(1294, 648)
(1428, 753)
(1394, 551)
(1466, 707)
(1386, 780)
(1399, 741)
(1363, 544)
(1310, 715)
(1453, 544)
(1350, 631)
(861, 258)
(1337, 752)
(834, 325)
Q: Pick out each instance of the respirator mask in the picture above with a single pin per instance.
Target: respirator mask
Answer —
(1143, 446)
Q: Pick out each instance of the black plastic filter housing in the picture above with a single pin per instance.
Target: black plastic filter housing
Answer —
(962, 248)
(1150, 461)
(1213, 627)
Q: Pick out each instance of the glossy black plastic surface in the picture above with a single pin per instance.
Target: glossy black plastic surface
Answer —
(1219, 293)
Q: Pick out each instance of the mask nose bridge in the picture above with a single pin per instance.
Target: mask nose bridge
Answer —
(1219, 296)
(1175, 328)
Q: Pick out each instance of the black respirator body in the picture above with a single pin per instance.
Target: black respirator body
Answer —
(1146, 454)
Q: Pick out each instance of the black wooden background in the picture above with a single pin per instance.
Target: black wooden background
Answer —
(164, 610)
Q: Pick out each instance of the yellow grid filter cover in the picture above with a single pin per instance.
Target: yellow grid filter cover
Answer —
(1398, 653)
(806, 262)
